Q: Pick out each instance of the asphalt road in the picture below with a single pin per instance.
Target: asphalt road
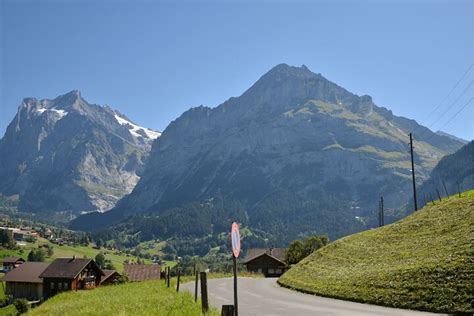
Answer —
(266, 297)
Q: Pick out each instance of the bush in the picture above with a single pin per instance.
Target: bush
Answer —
(3, 302)
(6, 239)
(298, 250)
(100, 260)
(21, 305)
(37, 255)
(121, 279)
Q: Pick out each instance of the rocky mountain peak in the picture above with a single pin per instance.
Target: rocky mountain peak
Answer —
(286, 87)
(66, 154)
(293, 130)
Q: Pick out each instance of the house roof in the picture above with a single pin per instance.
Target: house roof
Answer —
(12, 259)
(276, 253)
(108, 274)
(142, 272)
(68, 268)
(27, 272)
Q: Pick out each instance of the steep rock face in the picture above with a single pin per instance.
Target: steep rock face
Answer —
(299, 154)
(68, 155)
(295, 131)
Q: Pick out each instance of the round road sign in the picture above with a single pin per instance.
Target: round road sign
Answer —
(235, 239)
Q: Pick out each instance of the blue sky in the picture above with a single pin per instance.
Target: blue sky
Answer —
(154, 60)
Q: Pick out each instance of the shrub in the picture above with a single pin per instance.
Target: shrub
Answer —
(37, 255)
(21, 305)
(3, 302)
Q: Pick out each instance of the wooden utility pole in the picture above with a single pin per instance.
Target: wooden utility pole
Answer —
(439, 195)
(380, 215)
(381, 211)
(413, 172)
(196, 284)
(168, 276)
(204, 297)
(445, 190)
(459, 190)
(432, 201)
(177, 281)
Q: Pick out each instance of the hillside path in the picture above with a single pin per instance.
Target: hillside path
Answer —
(266, 297)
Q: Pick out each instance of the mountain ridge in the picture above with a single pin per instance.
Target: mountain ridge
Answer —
(453, 173)
(293, 135)
(64, 154)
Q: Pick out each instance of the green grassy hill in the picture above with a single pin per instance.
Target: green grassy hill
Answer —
(117, 258)
(139, 298)
(425, 261)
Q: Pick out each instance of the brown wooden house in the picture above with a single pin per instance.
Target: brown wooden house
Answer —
(11, 263)
(24, 281)
(269, 262)
(65, 274)
(142, 272)
(110, 277)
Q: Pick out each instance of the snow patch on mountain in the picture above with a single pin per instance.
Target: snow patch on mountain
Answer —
(61, 113)
(136, 130)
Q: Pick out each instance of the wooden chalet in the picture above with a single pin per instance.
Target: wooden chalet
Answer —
(110, 277)
(24, 281)
(142, 272)
(65, 274)
(269, 262)
(11, 263)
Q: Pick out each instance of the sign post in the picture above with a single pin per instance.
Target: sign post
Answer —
(235, 240)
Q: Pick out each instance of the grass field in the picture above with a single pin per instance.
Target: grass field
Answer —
(140, 298)
(69, 251)
(425, 261)
(9, 310)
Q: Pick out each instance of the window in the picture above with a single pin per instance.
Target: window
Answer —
(65, 286)
(51, 285)
(271, 271)
(278, 271)
(60, 286)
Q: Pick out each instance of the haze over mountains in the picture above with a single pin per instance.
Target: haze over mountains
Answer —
(66, 155)
(298, 152)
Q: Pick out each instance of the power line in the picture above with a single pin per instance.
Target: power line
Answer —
(456, 101)
(425, 121)
(456, 114)
(452, 117)
(449, 94)
(447, 109)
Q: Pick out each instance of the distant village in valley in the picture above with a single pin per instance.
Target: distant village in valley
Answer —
(33, 268)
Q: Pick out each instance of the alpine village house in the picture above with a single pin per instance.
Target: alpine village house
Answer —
(269, 262)
(24, 281)
(66, 274)
(40, 280)
(37, 280)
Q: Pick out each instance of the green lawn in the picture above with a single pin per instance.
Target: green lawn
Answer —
(140, 298)
(425, 261)
(9, 310)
